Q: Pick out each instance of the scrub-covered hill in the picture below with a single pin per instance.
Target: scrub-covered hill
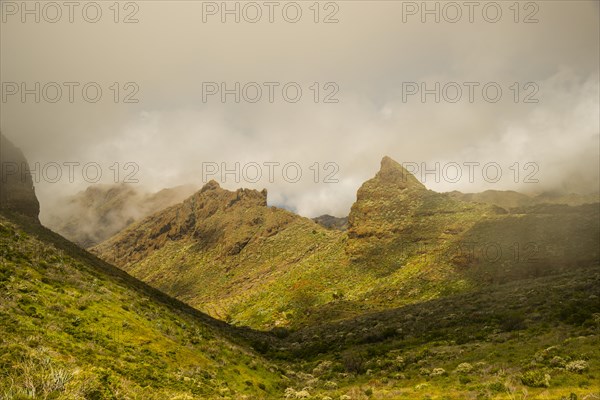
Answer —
(230, 255)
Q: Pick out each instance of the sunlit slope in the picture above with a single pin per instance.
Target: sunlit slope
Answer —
(230, 255)
(74, 327)
(418, 244)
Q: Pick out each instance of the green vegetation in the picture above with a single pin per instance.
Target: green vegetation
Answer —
(407, 303)
(511, 341)
(229, 255)
(71, 330)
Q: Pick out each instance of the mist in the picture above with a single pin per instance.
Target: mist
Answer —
(542, 134)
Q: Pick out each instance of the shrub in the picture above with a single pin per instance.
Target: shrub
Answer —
(289, 393)
(303, 394)
(329, 385)
(535, 378)
(463, 368)
(513, 321)
(557, 362)
(578, 366)
(497, 387)
(438, 372)
(322, 368)
(400, 363)
(354, 363)
(280, 332)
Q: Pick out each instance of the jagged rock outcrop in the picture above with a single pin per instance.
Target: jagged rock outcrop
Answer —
(17, 193)
(395, 217)
(212, 216)
(228, 253)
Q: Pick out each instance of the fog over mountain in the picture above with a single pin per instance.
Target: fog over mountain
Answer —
(171, 132)
(326, 200)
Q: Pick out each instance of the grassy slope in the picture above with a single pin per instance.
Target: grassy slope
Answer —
(512, 333)
(521, 339)
(74, 327)
(228, 254)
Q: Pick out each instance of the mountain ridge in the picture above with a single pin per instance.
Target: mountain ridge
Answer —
(232, 256)
(74, 326)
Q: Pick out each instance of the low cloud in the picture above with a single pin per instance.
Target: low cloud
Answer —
(171, 133)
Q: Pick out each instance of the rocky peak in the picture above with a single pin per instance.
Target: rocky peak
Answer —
(212, 190)
(392, 172)
(17, 193)
(394, 206)
(259, 198)
(211, 185)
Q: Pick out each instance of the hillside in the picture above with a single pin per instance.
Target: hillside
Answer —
(361, 325)
(74, 327)
(509, 199)
(228, 254)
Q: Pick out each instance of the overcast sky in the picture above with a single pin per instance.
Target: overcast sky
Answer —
(377, 54)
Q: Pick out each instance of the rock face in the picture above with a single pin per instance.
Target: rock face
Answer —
(393, 174)
(17, 193)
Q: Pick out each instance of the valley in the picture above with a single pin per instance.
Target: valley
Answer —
(417, 294)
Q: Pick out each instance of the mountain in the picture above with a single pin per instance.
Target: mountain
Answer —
(509, 199)
(331, 222)
(395, 217)
(505, 199)
(227, 253)
(99, 212)
(572, 199)
(73, 326)
(233, 257)
(16, 184)
(423, 245)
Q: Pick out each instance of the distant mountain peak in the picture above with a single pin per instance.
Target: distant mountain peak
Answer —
(392, 172)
